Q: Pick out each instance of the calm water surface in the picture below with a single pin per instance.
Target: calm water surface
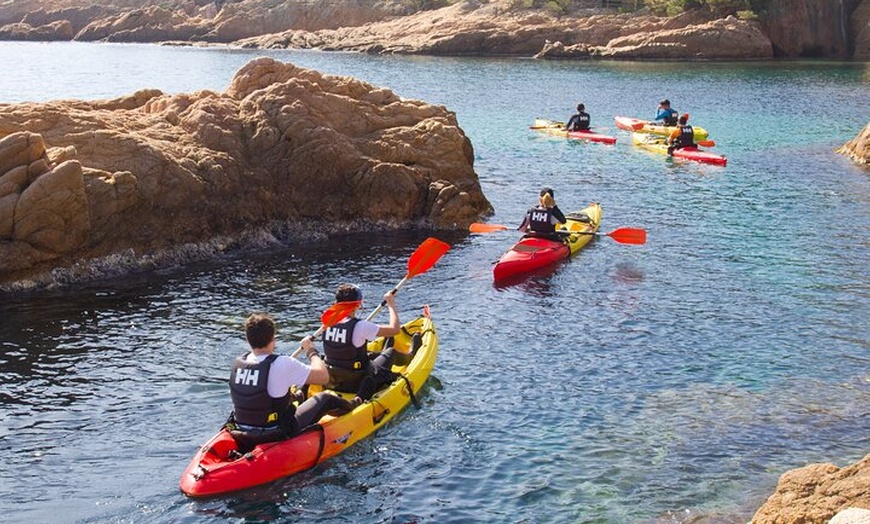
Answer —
(663, 383)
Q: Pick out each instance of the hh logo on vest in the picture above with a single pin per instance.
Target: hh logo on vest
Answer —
(539, 216)
(337, 335)
(248, 377)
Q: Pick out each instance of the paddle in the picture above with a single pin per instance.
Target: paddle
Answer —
(331, 317)
(421, 260)
(623, 235)
(705, 143)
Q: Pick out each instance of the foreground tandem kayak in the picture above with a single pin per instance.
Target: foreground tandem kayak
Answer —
(551, 127)
(644, 126)
(218, 468)
(657, 145)
(532, 253)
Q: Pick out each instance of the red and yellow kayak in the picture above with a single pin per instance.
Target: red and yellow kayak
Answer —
(554, 128)
(658, 145)
(644, 126)
(532, 253)
(218, 468)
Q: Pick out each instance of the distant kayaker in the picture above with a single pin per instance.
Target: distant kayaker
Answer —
(666, 114)
(579, 121)
(260, 382)
(542, 219)
(351, 370)
(682, 136)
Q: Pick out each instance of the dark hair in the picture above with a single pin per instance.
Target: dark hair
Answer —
(259, 330)
(547, 190)
(580, 107)
(684, 118)
(348, 293)
(665, 102)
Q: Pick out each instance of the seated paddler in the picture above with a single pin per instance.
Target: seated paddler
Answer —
(352, 369)
(541, 220)
(264, 408)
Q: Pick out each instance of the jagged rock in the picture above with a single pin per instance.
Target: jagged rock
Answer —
(816, 493)
(858, 149)
(283, 146)
(60, 30)
(861, 31)
(725, 38)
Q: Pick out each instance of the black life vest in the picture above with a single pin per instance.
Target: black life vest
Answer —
(687, 136)
(673, 118)
(580, 122)
(252, 405)
(339, 349)
(541, 220)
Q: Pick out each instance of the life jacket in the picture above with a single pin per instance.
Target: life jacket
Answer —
(339, 349)
(673, 118)
(252, 405)
(541, 220)
(686, 137)
(580, 122)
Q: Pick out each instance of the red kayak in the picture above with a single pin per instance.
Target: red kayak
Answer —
(657, 145)
(551, 127)
(533, 253)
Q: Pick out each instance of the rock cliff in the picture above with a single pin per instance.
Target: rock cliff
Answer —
(284, 150)
(858, 149)
(819, 492)
(788, 28)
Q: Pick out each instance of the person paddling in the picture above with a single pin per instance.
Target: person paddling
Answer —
(541, 220)
(579, 121)
(260, 382)
(351, 368)
(682, 136)
(666, 113)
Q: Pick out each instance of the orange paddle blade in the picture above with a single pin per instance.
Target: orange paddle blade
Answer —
(637, 126)
(338, 311)
(478, 227)
(706, 143)
(425, 256)
(628, 235)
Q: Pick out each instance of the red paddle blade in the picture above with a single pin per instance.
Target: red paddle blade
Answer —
(479, 227)
(628, 235)
(425, 256)
(338, 311)
(637, 126)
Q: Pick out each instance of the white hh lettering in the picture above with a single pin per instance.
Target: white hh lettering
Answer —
(539, 216)
(336, 335)
(247, 377)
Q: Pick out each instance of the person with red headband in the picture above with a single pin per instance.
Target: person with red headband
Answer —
(351, 368)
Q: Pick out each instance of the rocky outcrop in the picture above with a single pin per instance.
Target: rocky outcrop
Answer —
(818, 492)
(858, 149)
(467, 28)
(727, 38)
(808, 28)
(284, 150)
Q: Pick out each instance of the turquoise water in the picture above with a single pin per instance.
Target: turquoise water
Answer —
(669, 382)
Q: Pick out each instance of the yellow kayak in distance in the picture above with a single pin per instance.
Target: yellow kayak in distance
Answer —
(637, 125)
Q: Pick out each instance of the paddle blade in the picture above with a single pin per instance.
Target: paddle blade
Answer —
(338, 311)
(425, 256)
(637, 126)
(706, 143)
(628, 235)
(479, 227)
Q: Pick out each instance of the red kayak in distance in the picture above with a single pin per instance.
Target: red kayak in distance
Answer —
(554, 128)
(656, 144)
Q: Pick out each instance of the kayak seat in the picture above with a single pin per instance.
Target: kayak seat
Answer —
(579, 216)
(248, 438)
